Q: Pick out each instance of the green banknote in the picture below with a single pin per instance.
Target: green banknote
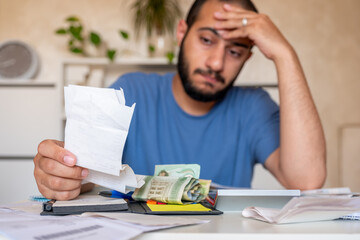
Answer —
(174, 190)
(178, 170)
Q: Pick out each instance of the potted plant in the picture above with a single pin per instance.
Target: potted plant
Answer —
(158, 17)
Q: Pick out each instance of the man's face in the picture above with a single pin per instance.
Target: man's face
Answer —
(208, 65)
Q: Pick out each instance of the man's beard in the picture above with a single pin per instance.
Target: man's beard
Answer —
(190, 89)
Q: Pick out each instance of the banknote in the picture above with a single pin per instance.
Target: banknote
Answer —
(178, 170)
(174, 190)
(196, 190)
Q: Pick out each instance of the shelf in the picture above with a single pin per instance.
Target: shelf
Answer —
(263, 85)
(22, 157)
(135, 61)
(25, 83)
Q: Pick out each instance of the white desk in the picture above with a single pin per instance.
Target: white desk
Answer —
(234, 226)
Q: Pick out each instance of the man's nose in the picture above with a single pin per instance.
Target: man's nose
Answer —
(216, 59)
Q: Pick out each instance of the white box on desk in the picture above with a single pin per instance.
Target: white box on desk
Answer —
(229, 200)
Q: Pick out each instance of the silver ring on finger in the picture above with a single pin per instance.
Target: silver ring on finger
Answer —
(244, 22)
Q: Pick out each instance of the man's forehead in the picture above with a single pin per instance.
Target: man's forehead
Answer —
(211, 6)
(205, 21)
(206, 13)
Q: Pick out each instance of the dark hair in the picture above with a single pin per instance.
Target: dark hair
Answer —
(196, 7)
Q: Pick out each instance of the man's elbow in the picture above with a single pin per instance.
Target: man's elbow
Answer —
(308, 182)
(313, 184)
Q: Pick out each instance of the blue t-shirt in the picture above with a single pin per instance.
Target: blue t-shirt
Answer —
(238, 132)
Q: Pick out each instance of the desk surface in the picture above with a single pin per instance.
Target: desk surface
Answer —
(234, 226)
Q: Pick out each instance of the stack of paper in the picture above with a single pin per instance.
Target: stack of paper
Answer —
(96, 129)
(306, 209)
(342, 191)
(148, 222)
(15, 224)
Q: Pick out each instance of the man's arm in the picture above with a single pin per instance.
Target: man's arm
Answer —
(300, 160)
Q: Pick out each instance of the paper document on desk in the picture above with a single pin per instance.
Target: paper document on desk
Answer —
(306, 209)
(97, 125)
(147, 220)
(25, 226)
(17, 224)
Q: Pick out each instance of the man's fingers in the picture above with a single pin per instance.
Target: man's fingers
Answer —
(58, 195)
(230, 24)
(55, 168)
(54, 149)
(237, 33)
(222, 16)
(231, 32)
(56, 183)
(234, 8)
(55, 187)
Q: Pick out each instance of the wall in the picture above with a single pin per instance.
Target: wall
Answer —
(326, 36)
(324, 33)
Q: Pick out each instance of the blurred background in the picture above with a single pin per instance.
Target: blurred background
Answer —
(46, 44)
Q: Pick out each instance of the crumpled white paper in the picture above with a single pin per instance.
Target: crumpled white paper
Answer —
(306, 209)
(96, 129)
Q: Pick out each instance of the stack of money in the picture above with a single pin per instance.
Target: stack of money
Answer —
(174, 184)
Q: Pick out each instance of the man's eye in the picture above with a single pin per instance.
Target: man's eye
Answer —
(234, 53)
(205, 40)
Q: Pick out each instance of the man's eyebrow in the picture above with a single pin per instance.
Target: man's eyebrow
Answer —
(214, 31)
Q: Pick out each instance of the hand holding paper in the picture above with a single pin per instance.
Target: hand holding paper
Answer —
(97, 125)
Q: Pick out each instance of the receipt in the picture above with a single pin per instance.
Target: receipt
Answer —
(96, 129)
(126, 182)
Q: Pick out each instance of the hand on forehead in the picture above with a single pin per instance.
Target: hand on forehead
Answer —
(214, 13)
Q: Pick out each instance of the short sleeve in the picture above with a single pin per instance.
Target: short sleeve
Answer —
(129, 83)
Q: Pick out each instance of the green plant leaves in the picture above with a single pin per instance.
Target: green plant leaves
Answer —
(75, 31)
(111, 53)
(95, 39)
(156, 15)
(72, 19)
(78, 38)
(170, 56)
(152, 48)
(61, 31)
(76, 50)
(71, 42)
(124, 35)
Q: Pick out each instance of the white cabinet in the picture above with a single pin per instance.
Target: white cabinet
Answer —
(17, 180)
(29, 113)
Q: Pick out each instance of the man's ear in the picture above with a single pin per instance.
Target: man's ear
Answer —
(181, 31)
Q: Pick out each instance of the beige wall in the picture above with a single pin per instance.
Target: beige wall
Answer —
(325, 34)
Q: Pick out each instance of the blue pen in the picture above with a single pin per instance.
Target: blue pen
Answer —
(116, 194)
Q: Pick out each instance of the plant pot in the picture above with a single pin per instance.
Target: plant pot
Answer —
(159, 45)
(90, 50)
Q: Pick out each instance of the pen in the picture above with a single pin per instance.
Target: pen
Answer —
(116, 194)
